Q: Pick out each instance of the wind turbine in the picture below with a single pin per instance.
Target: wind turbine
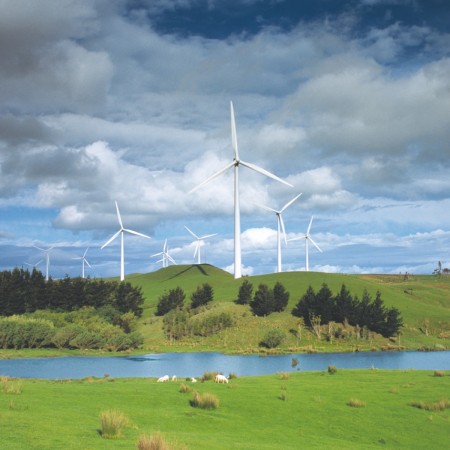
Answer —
(307, 237)
(121, 231)
(84, 261)
(237, 216)
(35, 264)
(165, 256)
(198, 243)
(281, 227)
(47, 258)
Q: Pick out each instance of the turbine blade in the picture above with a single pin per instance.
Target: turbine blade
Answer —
(111, 239)
(197, 246)
(86, 261)
(267, 208)
(208, 236)
(220, 172)
(234, 134)
(118, 215)
(264, 172)
(193, 234)
(315, 245)
(290, 202)
(170, 259)
(157, 254)
(85, 252)
(309, 226)
(39, 248)
(136, 233)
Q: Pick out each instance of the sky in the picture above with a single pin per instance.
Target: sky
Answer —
(129, 101)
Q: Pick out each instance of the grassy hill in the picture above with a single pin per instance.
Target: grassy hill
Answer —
(424, 303)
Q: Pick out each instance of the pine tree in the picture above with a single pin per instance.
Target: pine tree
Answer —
(280, 297)
(262, 303)
(245, 293)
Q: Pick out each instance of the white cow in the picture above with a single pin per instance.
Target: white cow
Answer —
(221, 379)
(164, 378)
(193, 380)
(174, 378)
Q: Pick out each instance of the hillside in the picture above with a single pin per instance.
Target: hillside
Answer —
(424, 303)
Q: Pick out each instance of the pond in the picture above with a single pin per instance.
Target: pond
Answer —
(195, 364)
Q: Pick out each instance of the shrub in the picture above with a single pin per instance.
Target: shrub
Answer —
(430, 406)
(174, 299)
(332, 370)
(11, 386)
(356, 403)
(153, 442)
(284, 375)
(204, 401)
(112, 423)
(232, 375)
(184, 388)
(203, 295)
(209, 376)
(273, 338)
(439, 373)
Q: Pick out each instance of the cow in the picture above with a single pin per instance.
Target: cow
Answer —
(164, 378)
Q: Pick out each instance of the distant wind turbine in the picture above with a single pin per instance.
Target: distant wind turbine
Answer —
(35, 264)
(307, 237)
(121, 231)
(84, 261)
(199, 242)
(281, 227)
(47, 259)
(237, 217)
(165, 256)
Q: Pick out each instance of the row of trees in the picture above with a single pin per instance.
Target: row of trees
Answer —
(22, 291)
(323, 307)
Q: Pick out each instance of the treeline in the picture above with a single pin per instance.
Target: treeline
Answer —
(22, 291)
(323, 307)
(74, 313)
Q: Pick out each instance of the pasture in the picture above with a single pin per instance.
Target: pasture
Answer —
(342, 409)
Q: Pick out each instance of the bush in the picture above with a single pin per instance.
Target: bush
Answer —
(184, 388)
(173, 300)
(273, 338)
(432, 406)
(356, 403)
(112, 423)
(204, 401)
(332, 370)
(153, 442)
(439, 373)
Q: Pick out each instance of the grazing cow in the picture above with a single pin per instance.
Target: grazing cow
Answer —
(174, 378)
(221, 379)
(164, 378)
(193, 380)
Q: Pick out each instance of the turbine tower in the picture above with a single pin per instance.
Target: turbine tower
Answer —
(84, 261)
(307, 237)
(165, 256)
(237, 216)
(198, 243)
(281, 227)
(47, 259)
(121, 231)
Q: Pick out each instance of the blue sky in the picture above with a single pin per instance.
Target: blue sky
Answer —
(349, 101)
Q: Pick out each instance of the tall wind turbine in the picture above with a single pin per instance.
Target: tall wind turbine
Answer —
(121, 231)
(47, 258)
(237, 216)
(281, 227)
(307, 237)
(84, 261)
(199, 242)
(165, 256)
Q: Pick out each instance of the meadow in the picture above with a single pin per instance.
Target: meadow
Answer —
(423, 301)
(348, 409)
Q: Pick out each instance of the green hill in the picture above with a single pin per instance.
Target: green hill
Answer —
(424, 303)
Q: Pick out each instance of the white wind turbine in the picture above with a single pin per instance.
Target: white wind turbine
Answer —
(281, 227)
(237, 217)
(47, 258)
(165, 256)
(307, 237)
(199, 242)
(84, 261)
(121, 231)
(34, 266)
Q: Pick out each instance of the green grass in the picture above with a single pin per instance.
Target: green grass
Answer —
(417, 297)
(315, 413)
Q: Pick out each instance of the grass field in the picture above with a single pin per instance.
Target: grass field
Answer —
(351, 409)
(424, 303)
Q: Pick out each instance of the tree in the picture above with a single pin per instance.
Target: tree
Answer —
(325, 304)
(393, 323)
(273, 338)
(262, 303)
(344, 307)
(203, 295)
(245, 293)
(173, 300)
(280, 297)
(305, 305)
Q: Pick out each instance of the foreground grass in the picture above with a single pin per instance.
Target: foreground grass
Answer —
(304, 410)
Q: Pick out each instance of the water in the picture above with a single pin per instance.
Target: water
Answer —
(195, 364)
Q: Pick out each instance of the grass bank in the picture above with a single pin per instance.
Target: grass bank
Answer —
(350, 409)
